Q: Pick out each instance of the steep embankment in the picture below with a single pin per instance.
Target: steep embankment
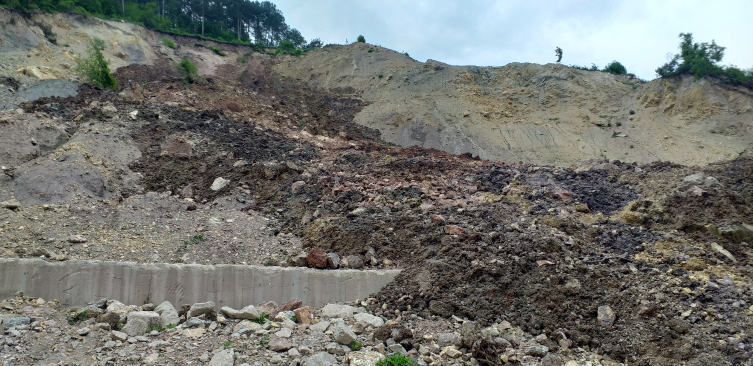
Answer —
(545, 114)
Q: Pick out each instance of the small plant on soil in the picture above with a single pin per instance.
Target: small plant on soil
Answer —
(371, 50)
(380, 76)
(195, 239)
(94, 68)
(168, 43)
(217, 51)
(395, 360)
(264, 340)
(263, 318)
(631, 112)
(355, 345)
(170, 326)
(77, 318)
(227, 344)
(242, 60)
(293, 318)
(154, 327)
(120, 325)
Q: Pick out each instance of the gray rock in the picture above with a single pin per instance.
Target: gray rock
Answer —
(605, 316)
(101, 303)
(16, 321)
(537, 351)
(365, 358)
(149, 317)
(278, 344)
(219, 183)
(711, 182)
(321, 359)
(118, 336)
(284, 333)
(193, 322)
(338, 311)
(276, 359)
(334, 349)
(159, 344)
(471, 331)
(342, 333)
(249, 312)
(333, 260)
(223, 358)
(200, 308)
(397, 348)
(449, 339)
(167, 314)
(320, 326)
(135, 327)
(83, 331)
(369, 319)
(691, 180)
(551, 360)
(355, 262)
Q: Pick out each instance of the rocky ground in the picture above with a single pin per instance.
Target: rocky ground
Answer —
(601, 261)
(107, 332)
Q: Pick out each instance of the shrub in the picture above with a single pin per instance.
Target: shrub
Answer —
(242, 60)
(361, 39)
(395, 360)
(217, 51)
(168, 43)
(190, 75)
(94, 68)
(615, 68)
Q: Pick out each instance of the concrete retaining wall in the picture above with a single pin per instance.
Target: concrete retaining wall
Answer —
(77, 282)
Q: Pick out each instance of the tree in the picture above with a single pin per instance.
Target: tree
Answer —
(361, 39)
(615, 68)
(94, 68)
(558, 53)
(694, 58)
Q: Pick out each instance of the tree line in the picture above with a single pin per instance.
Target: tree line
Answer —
(245, 21)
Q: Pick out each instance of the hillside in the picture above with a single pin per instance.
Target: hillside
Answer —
(585, 234)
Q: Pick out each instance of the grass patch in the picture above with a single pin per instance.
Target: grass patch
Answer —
(264, 340)
(190, 74)
(194, 240)
(168, 43)
(355, 345)
(227, 345)
(154, 327)
(217, 51)
(72, 319)
(263, 318)
(395, 360)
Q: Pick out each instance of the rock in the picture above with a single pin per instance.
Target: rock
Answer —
(275, 359)
(438, 219)
(177, 146)
(333, 260)
(77, 239)
(149, 317)
(109, 110)
(200, 308)
(317, 258)
(321, 326)
(288, 306)
(132, 115)
(454, 230)
(109, 318)
(397, 348)
(471, 331)
(193, 322)
(537, 351)
(342, 333)
(83, 331)
(338, 311)
(736, 233)
(249, 312)
(321, 359)
(10, 204)
(278, 344)
(11, 322)
(369, 319)
(711, 182)
(355, 262)
(219, 183)
(135, 327)
(451, 351)
(605, 316)
(692, 180)
(223, 358)
(449, 339)
(303, 315)
(118, 336)
(167, 314)
(266, 307)
(723, 251)
(296, 186)
(159, 344)
(284, 333)
(364, 358)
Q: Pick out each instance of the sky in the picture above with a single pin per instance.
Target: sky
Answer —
(640, 34)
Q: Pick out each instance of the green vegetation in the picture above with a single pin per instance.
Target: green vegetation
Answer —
(287, 47)
(239, 21)
(227, 344)
(380, 76)
(217, 51)
(702, 59)
(263, 318)
(631, 112)
(361, 39)
(558, 53)
(395, 360)
(355, 345)
(264, 340)
(293, 318)
(168, 43)
(196, 238)
(242, 60)
(155, 327)
(94, 68)
(120, 325)
(371, 50)
(72, 319)
(170, 326)
(615, 68)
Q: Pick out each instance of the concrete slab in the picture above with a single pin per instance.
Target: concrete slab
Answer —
(77, 282)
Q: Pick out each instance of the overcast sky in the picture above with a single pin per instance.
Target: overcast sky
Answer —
(638, 33)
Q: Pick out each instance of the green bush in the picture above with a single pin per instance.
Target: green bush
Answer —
(168, 43)
(217, 51)
(395, 360)
(94, 68)
(615, 68)
(190, 75)
(361, 39)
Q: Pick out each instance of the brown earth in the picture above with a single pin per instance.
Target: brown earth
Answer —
(540, 246)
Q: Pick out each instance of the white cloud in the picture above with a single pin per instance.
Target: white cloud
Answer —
(637, 33)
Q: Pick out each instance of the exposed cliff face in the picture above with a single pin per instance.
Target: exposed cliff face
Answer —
(545, 114)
